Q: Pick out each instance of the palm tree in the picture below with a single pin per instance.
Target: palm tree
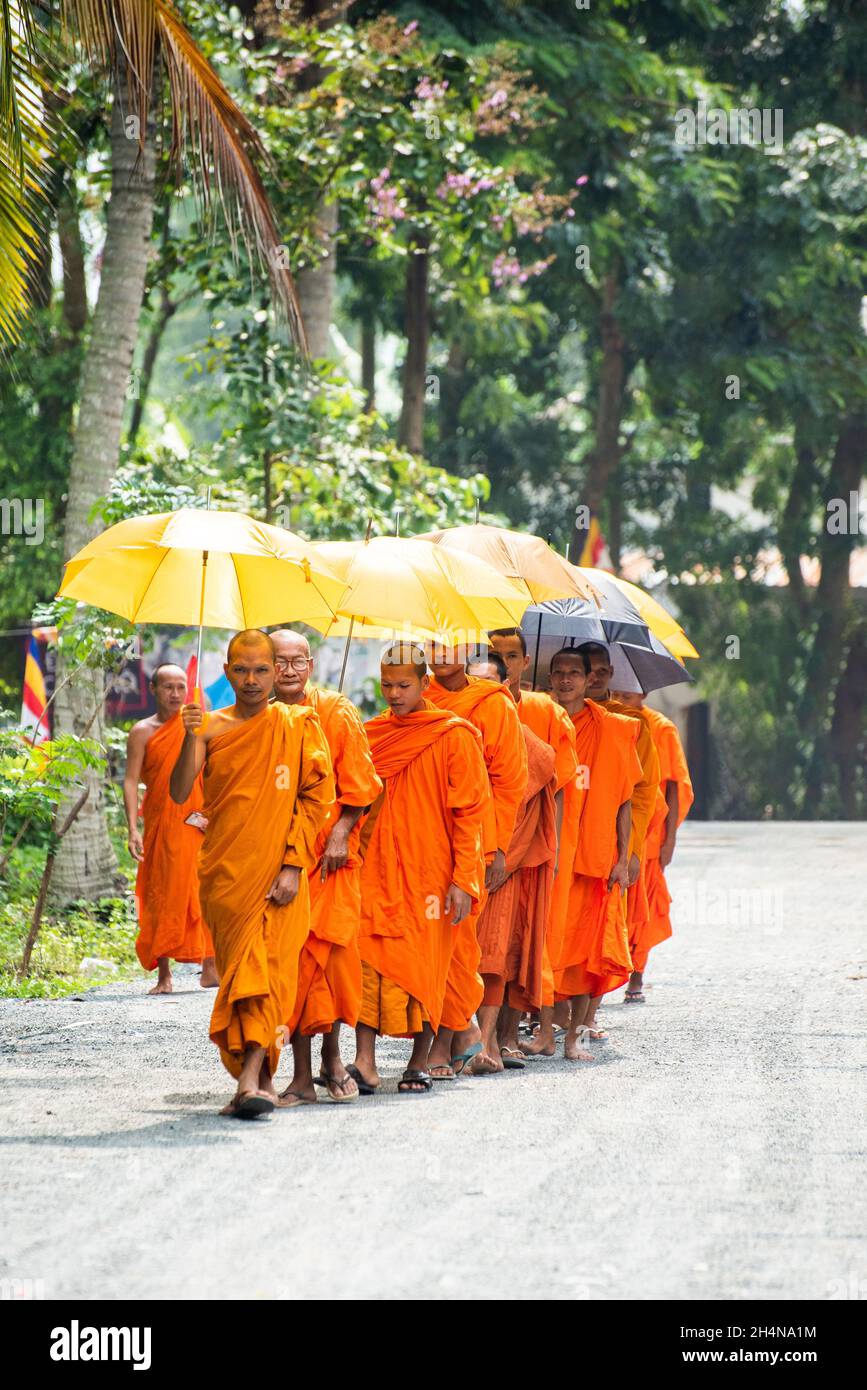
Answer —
(142, 46)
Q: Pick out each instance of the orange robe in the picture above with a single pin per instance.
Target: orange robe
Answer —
(593, 957)
(268, 790)
(549, 721)
(513, 924)
(656, 925)
(645, 802)
(329, 971)
(492, 710)
(427, 834)
(166, 886)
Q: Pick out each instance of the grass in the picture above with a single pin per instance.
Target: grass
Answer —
(105, 931)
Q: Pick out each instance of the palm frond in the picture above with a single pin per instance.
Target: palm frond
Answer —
(223, 149)
(24, 136)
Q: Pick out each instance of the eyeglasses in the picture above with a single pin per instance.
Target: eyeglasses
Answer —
(298, 663)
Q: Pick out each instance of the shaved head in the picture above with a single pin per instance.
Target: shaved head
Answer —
(285, 637)
(251, 637)
(294, 665)
(405, 654)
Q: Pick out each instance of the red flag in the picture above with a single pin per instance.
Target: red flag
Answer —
(192, 678)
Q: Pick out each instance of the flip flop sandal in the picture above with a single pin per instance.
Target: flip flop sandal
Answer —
(364, 1087)
(421, 1078)
(634, 996)
(597, 1035)
(290, 1100)
(251, 1106)
(459, 1063)
(442, 1072)
(335, 1081)
(513, 1060)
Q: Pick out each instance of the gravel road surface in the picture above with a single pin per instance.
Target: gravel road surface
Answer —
(715, 1149)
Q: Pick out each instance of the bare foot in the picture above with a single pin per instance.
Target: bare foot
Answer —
(485, 1064)
(572, 1052)
(538, 1047)
(162, 987)
(296, 1095)
(209, 977)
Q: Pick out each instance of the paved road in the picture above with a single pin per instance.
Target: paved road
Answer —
(715, 1150)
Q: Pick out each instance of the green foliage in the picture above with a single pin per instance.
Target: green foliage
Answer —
(105, 933)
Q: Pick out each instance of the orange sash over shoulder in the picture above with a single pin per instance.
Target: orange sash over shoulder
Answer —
(166, 886)
(268, 791)
(491, 709)
(427, 834)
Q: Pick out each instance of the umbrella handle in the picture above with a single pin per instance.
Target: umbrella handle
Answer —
(199, 699)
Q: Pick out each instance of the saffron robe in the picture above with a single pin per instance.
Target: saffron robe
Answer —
(655, 927)
(170, 921)
(594, 954)
(492, 710)
(269, 789)
(329, 971)
(645, 801)
(550, 722)
(427, 834)
(513, 924)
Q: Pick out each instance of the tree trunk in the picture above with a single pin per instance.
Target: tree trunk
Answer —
(604, 457)
(411, 432)
(847, 727)
(316, 284)
(452, 391)
(794, 526)
(86, 865)
(827, 659)
(72, 256)
(368, 361)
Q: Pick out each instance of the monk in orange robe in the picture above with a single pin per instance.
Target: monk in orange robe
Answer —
(672, 807)
(513, 923)
(538, 712)
(491, 709)
(171, 926)
(269, 789)
(329, 972)
(593, 957)
(644, 797)
(424, 864)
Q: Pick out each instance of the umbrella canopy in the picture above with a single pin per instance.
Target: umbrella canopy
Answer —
(404, 584)
(218, 569)
(639, 666)
(527, 559)
(658, 619)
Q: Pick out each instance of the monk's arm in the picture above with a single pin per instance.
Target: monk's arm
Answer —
(135, 751)
(672, 801)
(558, 806)
(619, 875)
(336, 851)
(191, 758)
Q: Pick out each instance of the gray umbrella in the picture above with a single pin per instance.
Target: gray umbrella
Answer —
(641, 662)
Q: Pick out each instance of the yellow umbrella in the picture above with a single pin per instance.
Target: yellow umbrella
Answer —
(658, 619)
(398, 583)
(526, 559)
(204, 568)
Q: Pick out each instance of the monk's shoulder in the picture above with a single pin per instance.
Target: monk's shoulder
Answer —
(142, 732)
(621, 727)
